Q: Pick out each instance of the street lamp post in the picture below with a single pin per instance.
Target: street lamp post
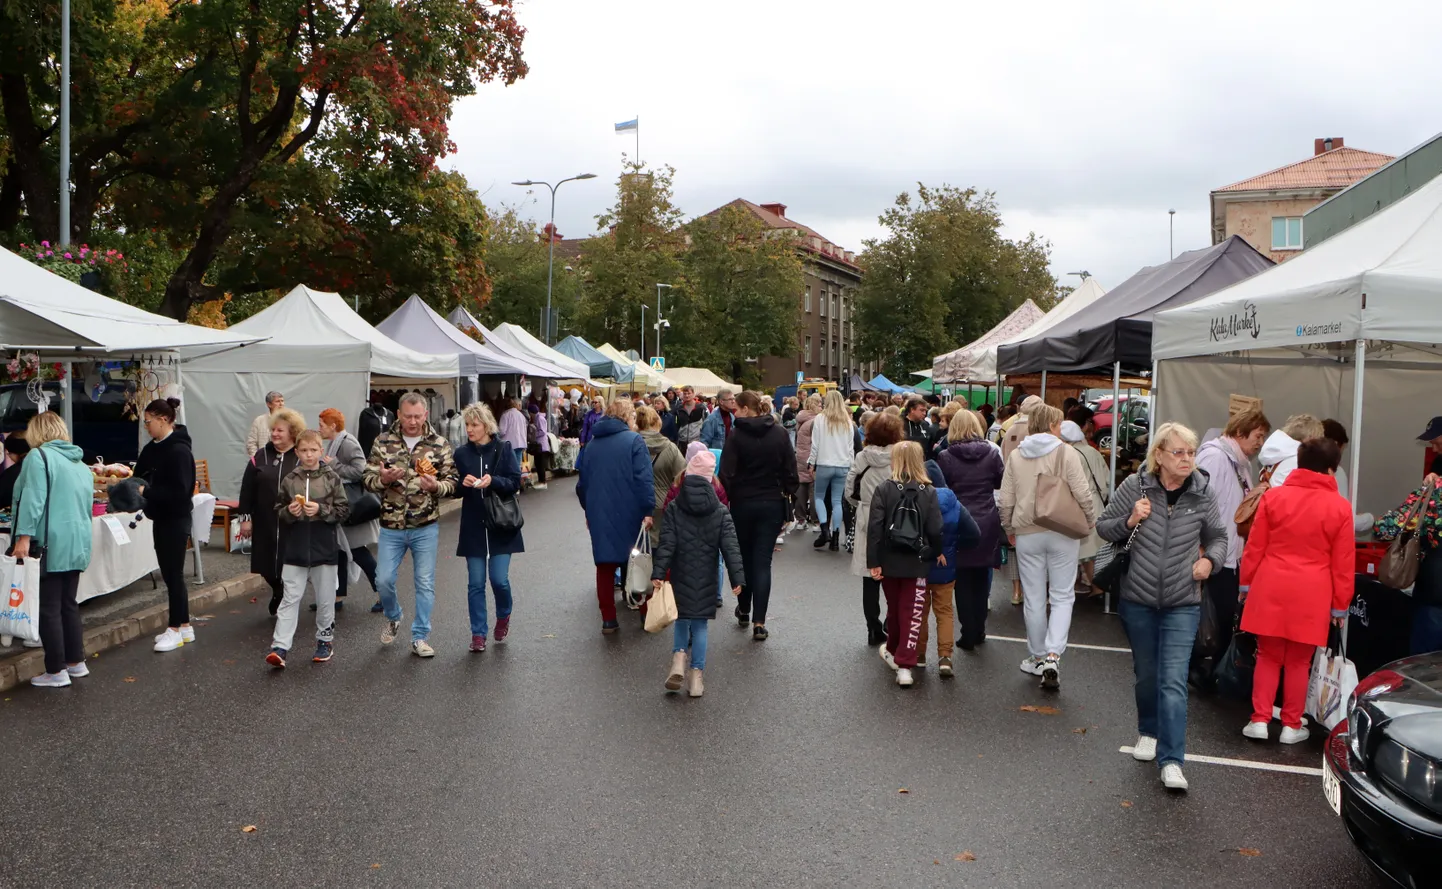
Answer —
(64, 123)
(1171, 234)
(551, 238)
(659, 319)
(643, 331)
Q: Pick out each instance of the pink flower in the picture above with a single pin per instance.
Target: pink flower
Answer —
(67, 255)
(92, 262)
(40, 256)
(49, 252)
(44, 243)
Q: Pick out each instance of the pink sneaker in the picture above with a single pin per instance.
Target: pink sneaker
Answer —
(478, 643)
(503, 629)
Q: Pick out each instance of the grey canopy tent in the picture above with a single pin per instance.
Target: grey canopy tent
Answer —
(600, 364)
(1117, 328)
(857, 384)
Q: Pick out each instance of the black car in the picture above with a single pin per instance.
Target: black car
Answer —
(1382, 770)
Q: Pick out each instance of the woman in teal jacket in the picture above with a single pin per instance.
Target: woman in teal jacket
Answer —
(53, 498)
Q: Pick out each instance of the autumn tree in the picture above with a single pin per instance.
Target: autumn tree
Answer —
(517, 262)
(310, 128)
(942, 276)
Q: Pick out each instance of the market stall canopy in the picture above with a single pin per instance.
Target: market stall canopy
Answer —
(1381, 280)
(880, 383)
(643, 375)
(522, 342)
(699, 378)
(600, 365)
(41, 311)
(467, 322)
(416, 325)
(1086, 294)
(977, 359)
(1118, 326)
(857, 384)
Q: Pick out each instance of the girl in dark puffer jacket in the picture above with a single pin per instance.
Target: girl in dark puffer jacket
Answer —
(696, 529)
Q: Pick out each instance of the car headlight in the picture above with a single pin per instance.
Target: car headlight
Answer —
(1409, 773)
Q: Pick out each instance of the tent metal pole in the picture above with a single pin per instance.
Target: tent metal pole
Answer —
(67, 400)
(1358, 374)
(1043, 385)
(1156, 399)
(1116, 414)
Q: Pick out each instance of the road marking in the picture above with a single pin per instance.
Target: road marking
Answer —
(1068, 645)
(1246, 764)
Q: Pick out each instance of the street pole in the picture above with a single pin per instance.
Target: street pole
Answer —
(64, 122)
(551, 247)
(658, 314)
(643, 332)
(1171, 234)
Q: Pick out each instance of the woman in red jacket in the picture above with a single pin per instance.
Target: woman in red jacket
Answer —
(1297, 572)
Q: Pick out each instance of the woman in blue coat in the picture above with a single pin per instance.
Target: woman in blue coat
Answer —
(485, 464)
(617, 491)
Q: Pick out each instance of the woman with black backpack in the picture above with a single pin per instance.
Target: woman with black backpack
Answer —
(903, 542)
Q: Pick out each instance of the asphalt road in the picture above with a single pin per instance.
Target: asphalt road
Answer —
(558, 760)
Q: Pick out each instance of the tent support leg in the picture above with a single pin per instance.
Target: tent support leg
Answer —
(1156, 399)
(1358, 374)
(1043, 385)
(67, 399)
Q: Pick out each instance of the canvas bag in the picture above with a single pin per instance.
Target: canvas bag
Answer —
(19, 610)
(1398, 568)
(1057, 508)
(1334, 678)
(638, 569)
(1247, 511)
(661, 610)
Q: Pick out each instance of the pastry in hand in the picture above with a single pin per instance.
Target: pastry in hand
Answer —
(425, 467)
(300, 499)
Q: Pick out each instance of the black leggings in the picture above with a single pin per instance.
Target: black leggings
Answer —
(871, 605)
(170, 538)
(60, 629)
(364, 559)
(758, 524)
(973, 590)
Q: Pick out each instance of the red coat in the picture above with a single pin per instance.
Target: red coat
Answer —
(1300, 560)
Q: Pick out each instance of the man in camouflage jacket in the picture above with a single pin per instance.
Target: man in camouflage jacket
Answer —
(411, 467)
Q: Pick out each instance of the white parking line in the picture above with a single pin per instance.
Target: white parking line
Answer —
(1246, 764)
(1068, 645)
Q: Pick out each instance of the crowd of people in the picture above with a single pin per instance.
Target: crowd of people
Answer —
(929, 500)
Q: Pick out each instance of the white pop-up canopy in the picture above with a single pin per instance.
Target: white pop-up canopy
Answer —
(569, 369)
(521, 341)
(418, 326)
(984, 364)
(644, 377)
(1355, 320)
(976, 361)
(702, 379)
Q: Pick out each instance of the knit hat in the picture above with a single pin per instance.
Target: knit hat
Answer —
(695, 448)
(1071, 432)
(702, 464)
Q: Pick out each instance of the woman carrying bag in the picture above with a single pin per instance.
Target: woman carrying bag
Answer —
(1422, 514)
(343, 454)
(488, 469)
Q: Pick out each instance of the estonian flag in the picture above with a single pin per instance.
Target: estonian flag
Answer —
(629, 126)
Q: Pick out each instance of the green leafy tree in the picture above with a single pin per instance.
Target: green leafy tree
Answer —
(942, 276)
(517, 259)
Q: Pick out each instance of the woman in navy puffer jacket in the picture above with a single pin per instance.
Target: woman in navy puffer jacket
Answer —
(973, 469)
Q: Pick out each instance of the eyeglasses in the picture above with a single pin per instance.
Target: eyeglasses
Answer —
(1179, 453)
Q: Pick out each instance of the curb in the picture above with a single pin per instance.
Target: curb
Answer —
(23, 667)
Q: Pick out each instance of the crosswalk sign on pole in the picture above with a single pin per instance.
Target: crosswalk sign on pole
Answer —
(658, 364)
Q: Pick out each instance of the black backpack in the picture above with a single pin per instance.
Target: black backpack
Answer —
(904, 528)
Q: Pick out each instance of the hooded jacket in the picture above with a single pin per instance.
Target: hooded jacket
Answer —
(973, 471)
(1038, 454)
(405, 505)
(805, 425)
(1013, 435)
(758, 462)
(1300, 560)
(880, 553)
(54, 498)
(1231, 477)
(1168, 541)
(497, 459)
(869, 469)
(696, 528)
(312, 539)
(1279, 454)
(168, 469)
(617, 489)
(588, 425)
(666, 464)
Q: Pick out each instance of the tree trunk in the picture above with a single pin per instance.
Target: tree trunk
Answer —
(10, 198)
(42, 192)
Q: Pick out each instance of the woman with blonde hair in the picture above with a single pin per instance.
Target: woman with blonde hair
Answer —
(903, 542)
(260, 494)
(487, 466)
(1169, 514)
(1046, 559)
(666, 462)
(53, 498)
(833, 438)
(804, 512)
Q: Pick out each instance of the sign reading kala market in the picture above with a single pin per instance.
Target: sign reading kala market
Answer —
(1238, 323)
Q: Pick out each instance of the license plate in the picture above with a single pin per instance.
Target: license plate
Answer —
(1331, 787)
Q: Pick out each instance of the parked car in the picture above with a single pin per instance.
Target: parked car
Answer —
(1136, 415)
(1382, 770)
(101, 429)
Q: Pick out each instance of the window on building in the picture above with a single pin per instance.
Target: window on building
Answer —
(825, 350)
(808, 298)
(835, 355)
(808, 343)
(1286, 233)
(823, 302)
(835, 305)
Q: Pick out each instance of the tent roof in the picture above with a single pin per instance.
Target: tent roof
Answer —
(1118, 326)
(965, 363)
(545, 367)
(416, 325)
(1381, 279)
(600, 365)
(521, 339)
(699, 378)
(857, 384)
(881, 383)
(306, 317)
(45, 312)
(642, 373)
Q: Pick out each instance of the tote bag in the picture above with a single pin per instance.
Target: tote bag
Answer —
(638, 569)
(661, 611)
(1333, 680)
(1057, 508)
(20, 614)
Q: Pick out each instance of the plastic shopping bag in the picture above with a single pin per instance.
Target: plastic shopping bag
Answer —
(661, 610)
(1333, 680)
(19, 609)
(638, 570)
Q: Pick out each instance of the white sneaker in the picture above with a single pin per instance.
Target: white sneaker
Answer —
(540, 487)
(169, 640)
(1145, 749)
(1051, 673)
(51, 680)
(1257, 731)
(36, 644)
(1172, 777)
(188, 634)
(1294, 735)
(904, 678)
(1033, 665)
(886, 657)
(422, 648)
(392, 629)
(78, 671)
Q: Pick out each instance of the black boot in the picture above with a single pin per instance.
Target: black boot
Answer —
(824, 538)
(835, 542)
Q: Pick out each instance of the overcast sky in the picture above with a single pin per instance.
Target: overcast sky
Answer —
(1089, 120)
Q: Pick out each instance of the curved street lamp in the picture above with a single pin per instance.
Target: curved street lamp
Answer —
(551, 238)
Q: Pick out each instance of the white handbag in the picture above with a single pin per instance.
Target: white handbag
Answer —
(661, 612)
(1333, 680)
(638, 570)
(19, 608)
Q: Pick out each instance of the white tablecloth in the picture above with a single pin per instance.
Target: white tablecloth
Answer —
(113, 566)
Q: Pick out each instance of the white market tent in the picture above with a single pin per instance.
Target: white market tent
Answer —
(520, 341)
(1355, 321)
(967, 364)
(318, 352)
(565, 369)
(645, 378)
(1087, 293)
(699, 378)
(416, 325)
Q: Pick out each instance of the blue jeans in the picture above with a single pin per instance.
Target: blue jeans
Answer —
(1162, 640)
(832, 478)
(690, 635)
(422, 543)
(1426, 629)
(520, 453)
(500, 572)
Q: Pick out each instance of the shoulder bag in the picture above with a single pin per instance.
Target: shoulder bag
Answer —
(503, 514)
(1247, 512)
(1108, 578)
(1398, 568)
(1057, 508)
(365, 506)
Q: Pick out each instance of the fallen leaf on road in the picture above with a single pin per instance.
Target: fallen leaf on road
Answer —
(903, 790)
(129, 679)
(1250, 853)
(202, 618)
(1079, 731)
(375, 866)
(249, 828)
(1126, 804)
(968, 855)
(1044, 710)
(935, 861)
(228, 661)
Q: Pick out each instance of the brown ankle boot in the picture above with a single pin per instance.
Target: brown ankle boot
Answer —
(697, 688)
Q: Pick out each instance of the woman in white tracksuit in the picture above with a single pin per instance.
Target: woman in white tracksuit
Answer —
(1046, 560)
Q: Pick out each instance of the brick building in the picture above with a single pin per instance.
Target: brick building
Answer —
(1267, 210)
(826, 338)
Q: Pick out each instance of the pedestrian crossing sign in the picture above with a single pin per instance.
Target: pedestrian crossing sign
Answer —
(658, 364)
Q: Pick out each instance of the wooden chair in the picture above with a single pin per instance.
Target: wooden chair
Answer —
(223, 508)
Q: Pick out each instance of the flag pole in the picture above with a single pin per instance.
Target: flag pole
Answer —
(638, 140)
